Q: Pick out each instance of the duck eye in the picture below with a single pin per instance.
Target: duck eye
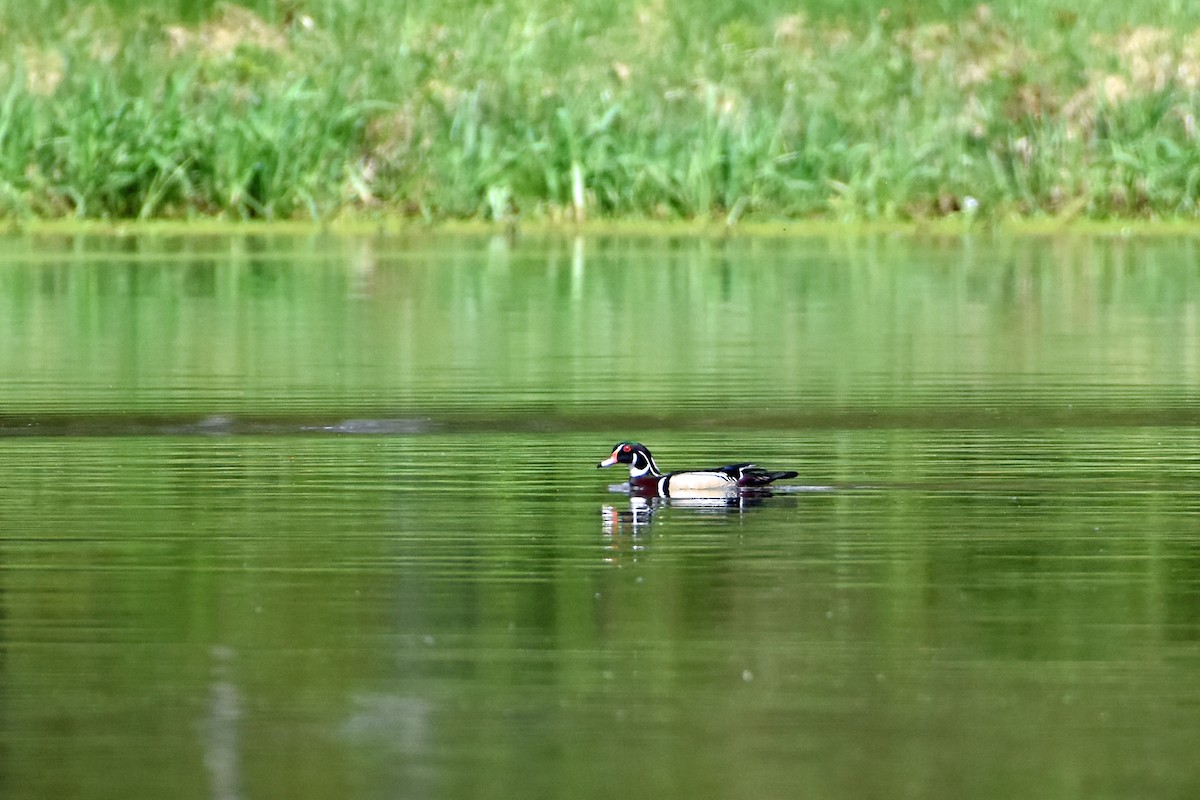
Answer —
(626, 448)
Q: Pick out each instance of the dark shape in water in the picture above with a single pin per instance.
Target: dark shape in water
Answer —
(645, 478)
(381, 426)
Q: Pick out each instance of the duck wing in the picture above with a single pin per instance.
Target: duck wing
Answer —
(733, 470)
(750, 475)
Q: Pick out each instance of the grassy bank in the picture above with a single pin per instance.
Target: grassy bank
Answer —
(533, 110)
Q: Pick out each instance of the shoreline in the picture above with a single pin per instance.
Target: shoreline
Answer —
(637, 114)
(402, 226)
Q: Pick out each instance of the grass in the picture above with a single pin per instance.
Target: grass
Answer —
(532, 110)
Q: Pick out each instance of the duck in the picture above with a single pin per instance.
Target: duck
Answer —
(645, 478)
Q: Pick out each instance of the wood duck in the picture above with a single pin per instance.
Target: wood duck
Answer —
(645, 478)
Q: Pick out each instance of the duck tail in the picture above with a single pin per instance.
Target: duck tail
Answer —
(760, 477)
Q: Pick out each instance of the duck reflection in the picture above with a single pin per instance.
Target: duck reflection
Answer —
(616, 521)
(627, 530)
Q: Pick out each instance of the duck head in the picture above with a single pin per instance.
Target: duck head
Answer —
(636, 455)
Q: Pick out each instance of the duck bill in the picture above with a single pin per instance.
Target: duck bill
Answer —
(608, 462)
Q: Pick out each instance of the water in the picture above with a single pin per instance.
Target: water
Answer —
(319, 517)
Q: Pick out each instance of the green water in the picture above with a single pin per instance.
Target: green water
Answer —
(319, 517)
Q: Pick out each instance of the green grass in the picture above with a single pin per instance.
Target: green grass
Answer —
(534, 110)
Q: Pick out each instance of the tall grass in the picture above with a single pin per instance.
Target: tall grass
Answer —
(651, 109)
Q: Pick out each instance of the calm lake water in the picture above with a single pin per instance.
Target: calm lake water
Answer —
(318, 517)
